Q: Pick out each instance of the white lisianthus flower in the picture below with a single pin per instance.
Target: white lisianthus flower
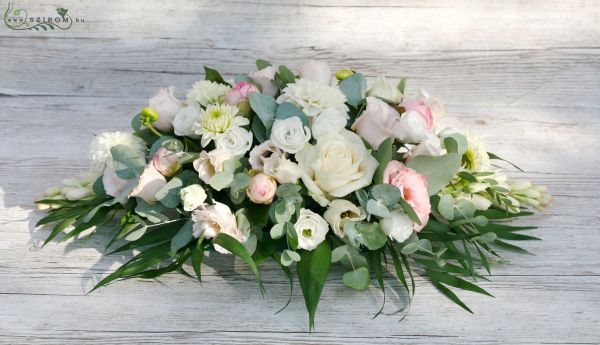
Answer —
(207, 92)
(265, 78)
(210, 163)
(313, 97)
(317, 71)
(192, 197)
(282, 169)
(329, 121)
(215, 219)
(113, 184)
(261, 152)
(476, 157)
(236, 141)
(217, 119)
(166, 105)
(399, 226)
(411, 127)
(340, 212)
(382, 88)
(184, 121)
(100, 147)
(311, 229)
(290, 134)
(337, 165)
(149, 183)
(437, 108)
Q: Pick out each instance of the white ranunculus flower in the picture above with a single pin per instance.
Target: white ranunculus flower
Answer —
(184, 121)
(210, 163)
(207, 92)
(337, 165)
(411, 128)
(282, 169)
(382, 88)
(437, 108)
(289, 134)
(236, 141)
(215, 219)
(166, 105)
(192, 197)
(329, 121)
(340, 212)
(313, 97)
(100, 147)
(399, 226)
(311, 229)
(217, 119)
(261, 152)
(317, 71)
(265, 78)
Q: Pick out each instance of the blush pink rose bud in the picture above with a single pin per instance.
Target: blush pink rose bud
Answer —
(413, 187)
(238, 96)
(166, 162)
(261, 189)
(421, 108)
(149, 184)
(166, 105)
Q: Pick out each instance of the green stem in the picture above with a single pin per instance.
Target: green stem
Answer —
(153, 130)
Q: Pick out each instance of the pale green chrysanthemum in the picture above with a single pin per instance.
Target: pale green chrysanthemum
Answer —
(217, 119)
(207, 92)
(476, 157)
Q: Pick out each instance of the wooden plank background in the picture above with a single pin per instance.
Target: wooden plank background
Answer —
(525, 75)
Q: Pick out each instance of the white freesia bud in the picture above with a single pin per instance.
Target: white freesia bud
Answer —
(290, 134)
(383, 89)
(316, 71)
(282, 169)
(311, 229)
(329, 121)
(192, 197)
(340, 212)
(184, 121)
(399, 226)
(76, 193)
(166, 105)
(236, 141)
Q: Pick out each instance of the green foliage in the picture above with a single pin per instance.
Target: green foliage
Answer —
(283, 77)
(355, 89)
(312, 270)
(287, 110)
(387, 194)
(214, 75)
(265, 108)
(169, 195)
(183, 236)
(262, 64)
(127, 162)
(169, 143)
(383, 156)
(234, 246)
(439, 170)
(358, 279)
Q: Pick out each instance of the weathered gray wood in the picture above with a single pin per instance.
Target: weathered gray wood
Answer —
(522, 75)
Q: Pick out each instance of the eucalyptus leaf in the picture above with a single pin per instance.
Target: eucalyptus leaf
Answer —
(446, 206)
(439, 169)
(358, 279)
(354, 88)
(378, 209)
(128, 163)
(265, 107)
(387, 194)
(287, 110)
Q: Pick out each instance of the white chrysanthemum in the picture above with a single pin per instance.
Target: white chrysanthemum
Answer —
(476, 157)
(207, 92)
(101, 145)
(217, 119)
(314, 97)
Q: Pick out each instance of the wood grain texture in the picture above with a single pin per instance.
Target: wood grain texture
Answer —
(524, 75)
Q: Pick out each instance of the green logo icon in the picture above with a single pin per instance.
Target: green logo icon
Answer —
(18, 19)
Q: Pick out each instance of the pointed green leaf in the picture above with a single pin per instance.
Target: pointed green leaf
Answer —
(313, 269)
(234, 246)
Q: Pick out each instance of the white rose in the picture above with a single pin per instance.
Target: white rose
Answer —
(261, 152)
(437, 109)
(340, 212)
(236, 141)
(192, 197)
(316, 71)
(337, 165)
(265, 78)
(289, 134)
(329, 121)
(282, 169)
(411, 128)
(385, 90)
(210, 163)
(399, 226)
(184, 121)
(311, 229)
(166, 105)
(431, 146)
(214, 219)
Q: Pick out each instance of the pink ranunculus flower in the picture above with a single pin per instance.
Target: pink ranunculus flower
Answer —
(413, 187)
(240, 93)
(150, 182)
(166, 162)
(166, 105)
(376, 123)
(261, 189)
(423, 109)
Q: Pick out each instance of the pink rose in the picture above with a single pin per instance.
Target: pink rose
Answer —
(376, 123)
(422, 109)
(150, 182)
(240, 93)
(261, 189)
(413, 187)
(166, 105)
(166, 162)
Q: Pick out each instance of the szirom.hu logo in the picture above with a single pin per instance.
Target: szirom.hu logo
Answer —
(20, 19)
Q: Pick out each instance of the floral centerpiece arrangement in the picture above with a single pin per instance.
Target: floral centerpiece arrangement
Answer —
(303, 168)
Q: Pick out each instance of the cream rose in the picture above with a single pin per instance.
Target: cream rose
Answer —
(166, 105)
(192, 197)
(340, 212)
(377, 122)
(337, 165)
(290, 135)
(166, 162)
(311, 229)
(437, 108)
(214, 219)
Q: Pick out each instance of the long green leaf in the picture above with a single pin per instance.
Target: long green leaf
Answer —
(234, 246)
(398, 267)
(451, 295)
(313, 269)
(383, 156)
(58, 228)
(407, 265)
(197, 258)
(288, 273)
(455, 281)
(376, 261)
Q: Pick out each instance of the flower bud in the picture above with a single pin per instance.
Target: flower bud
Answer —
(343, 74)
(148, 116)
